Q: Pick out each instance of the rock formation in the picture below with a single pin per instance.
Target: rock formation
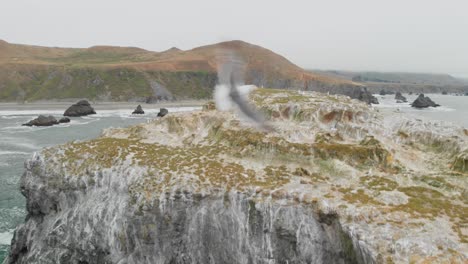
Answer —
(333, 182)
(163, 112)
(423, 102)
(64, 120)
(400, 97)
(367, 97)
(138, 111)
(82, 108)
(42, 121)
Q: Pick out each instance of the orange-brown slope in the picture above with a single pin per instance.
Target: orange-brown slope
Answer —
(82, 68)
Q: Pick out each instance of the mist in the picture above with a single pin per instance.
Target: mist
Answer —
(412, 36)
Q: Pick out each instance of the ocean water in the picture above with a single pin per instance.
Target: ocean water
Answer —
(453, 109)
(18, 143)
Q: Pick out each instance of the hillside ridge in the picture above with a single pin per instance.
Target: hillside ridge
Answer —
(29, 73)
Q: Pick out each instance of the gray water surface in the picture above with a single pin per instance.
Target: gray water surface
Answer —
(453, 109)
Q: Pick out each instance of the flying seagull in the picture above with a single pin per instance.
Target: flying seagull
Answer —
(231, 79)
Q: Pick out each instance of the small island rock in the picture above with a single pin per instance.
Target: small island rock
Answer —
(138, 111)
(163, 112)
(42, 121)
(64, 120)
(400, 98)
(82, 108)
(423, 102)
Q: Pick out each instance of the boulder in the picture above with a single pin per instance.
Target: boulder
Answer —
(400, 98)
(138, 111)
(82, 108)
(42, 121)
(444, 92)
(423, 102)
(367, 97)
(163, 112)
(64, 120)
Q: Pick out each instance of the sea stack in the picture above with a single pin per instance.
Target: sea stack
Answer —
(42, 121)
(423, 102)
(64, 120)
(138, 111)
(163, 112)
(400, 97)
(82, 108)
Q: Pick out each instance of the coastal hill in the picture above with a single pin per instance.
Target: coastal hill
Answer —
(29, 73)
(401, 81)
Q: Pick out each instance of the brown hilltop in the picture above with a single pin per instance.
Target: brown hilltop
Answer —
(36, 72)
(198, 59)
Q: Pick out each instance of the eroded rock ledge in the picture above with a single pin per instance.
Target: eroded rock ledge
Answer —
(333, 183)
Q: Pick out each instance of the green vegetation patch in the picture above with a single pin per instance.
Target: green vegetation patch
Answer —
(378, 183)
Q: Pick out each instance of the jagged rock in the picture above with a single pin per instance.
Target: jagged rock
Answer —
(138, 111)
(400, 97)
(82, 108)
(367, 97)
(423, 102)
(163, 112)
(64, 120)
(42, 121)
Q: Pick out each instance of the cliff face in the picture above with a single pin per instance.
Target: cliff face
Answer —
(331, 182)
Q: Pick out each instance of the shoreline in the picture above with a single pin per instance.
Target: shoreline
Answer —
(52, 105)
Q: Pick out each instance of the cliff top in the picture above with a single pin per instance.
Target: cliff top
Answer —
(399, 186)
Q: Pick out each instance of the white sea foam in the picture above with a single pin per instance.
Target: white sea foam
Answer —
(18, 143)
(7, 152)
(5, 237)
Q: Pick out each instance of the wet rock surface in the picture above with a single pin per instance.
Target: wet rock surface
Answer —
(42, 121)
(81, 108)
(423, 102)
(138, 111)
(332, 182)
(163, 112)
(64, 120)
(400, 97)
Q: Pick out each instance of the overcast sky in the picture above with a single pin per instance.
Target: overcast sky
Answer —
(391, 35)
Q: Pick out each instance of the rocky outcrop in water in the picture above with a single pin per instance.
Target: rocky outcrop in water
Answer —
(163, 112)
(333, 182)
(82, 108)
(138, 111)
(423, 102)
(366, 96)
(400, 97)
(42, 121)
(64, 120)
